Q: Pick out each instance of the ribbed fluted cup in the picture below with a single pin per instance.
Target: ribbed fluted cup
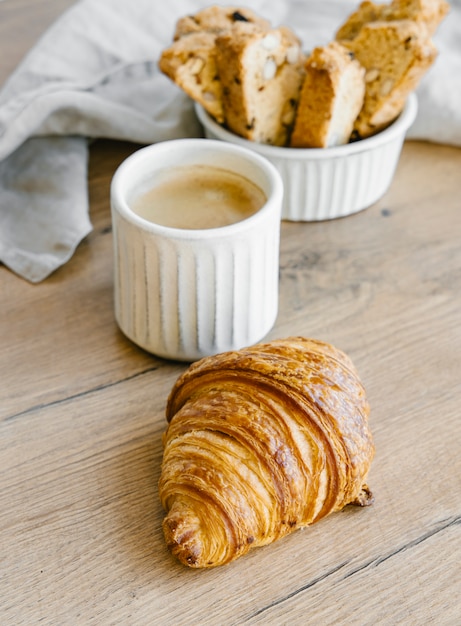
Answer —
(184, 294)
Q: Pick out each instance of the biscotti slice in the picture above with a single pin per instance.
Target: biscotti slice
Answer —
(191, 63)
(261, 75)
(395, 56)
(217, 20)
(367, 12)
(427, 12)
(331, 98)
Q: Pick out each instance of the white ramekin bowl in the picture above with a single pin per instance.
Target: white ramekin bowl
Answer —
(325, 183)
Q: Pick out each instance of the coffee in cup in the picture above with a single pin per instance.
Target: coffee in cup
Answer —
(197, 197)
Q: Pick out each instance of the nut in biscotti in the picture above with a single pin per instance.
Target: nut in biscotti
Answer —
(331, 98)
(395, 56)
(261, 74)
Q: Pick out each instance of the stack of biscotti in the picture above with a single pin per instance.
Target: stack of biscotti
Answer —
(246, 74)
(191, 60)
(255, 80)
(393, 43)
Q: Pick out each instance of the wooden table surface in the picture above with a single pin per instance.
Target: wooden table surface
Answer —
(82, 414)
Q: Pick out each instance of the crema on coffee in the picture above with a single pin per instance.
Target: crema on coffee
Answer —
(197, 197)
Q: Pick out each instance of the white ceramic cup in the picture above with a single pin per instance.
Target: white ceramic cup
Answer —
(184, 294)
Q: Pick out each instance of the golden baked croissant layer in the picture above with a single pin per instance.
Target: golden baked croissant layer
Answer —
(260, 442)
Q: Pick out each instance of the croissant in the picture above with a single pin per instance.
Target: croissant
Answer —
(260, 442)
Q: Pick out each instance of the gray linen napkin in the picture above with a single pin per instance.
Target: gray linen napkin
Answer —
(94, 74)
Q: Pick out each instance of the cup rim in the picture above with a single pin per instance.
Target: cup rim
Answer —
(118, 187)
(396, 128)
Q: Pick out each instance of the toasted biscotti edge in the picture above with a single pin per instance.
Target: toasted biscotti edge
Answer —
(217, 20)
(425, 12)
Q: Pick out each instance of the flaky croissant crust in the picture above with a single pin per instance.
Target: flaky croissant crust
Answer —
(260, 442)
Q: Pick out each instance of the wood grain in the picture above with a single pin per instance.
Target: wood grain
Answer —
(22, 22)
(82, 414)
